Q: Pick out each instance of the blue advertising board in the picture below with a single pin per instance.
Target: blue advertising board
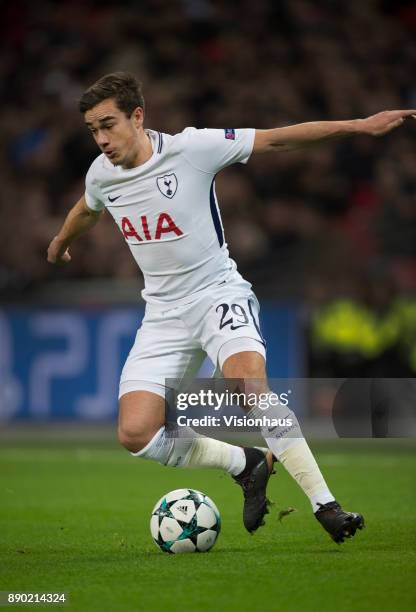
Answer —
(65, 363)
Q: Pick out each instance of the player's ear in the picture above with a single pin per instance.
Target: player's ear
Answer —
(138, 117)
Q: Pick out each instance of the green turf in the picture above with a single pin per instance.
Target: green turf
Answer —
(74, 518)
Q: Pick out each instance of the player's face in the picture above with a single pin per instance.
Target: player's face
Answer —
(116, 134)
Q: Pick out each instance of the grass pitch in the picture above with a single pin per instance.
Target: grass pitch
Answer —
(75, 518)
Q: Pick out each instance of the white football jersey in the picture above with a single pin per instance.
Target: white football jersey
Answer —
(167, 209)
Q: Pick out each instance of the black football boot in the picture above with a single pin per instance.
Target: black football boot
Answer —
(338, 523)
(253, 480)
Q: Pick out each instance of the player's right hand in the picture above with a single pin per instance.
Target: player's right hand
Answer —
(384, 122)
(58, 254)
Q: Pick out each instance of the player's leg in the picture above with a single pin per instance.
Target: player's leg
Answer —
(141, 416)
(229, 329)
(164, 349)
(142, 431)
(292, 451)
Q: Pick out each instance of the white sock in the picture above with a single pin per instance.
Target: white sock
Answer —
(301, 465)
(193, 451)
(291, 449)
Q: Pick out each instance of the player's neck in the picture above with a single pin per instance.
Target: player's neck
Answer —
(143, 153)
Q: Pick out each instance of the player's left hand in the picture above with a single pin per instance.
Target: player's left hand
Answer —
(384, 122)
(57, 254)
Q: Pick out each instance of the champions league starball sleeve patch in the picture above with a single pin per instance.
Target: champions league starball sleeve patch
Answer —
(229, 133)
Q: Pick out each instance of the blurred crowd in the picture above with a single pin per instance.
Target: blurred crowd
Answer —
(314, 223)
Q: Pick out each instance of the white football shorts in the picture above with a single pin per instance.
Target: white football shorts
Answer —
(172, 343)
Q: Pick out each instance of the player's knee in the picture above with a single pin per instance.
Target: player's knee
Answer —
(134, 437)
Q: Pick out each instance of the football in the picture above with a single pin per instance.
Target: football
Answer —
(185, 520)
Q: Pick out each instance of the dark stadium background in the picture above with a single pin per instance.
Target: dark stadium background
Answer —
(326, 235)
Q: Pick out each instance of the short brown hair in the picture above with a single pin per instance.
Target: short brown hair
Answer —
(123, 87)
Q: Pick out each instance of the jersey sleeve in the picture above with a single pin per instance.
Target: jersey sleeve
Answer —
(210, 150)
(93, 195)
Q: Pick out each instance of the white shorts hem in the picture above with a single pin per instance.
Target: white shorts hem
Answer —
(127, 386)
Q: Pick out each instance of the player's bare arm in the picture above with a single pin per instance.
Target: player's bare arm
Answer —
(305, 134)
(79, 220)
